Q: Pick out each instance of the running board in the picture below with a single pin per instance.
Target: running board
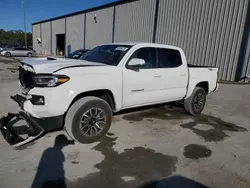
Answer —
(19, 135)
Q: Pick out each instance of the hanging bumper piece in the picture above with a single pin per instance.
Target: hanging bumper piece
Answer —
(17, 135)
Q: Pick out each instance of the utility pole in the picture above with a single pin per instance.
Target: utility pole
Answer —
(24, 19)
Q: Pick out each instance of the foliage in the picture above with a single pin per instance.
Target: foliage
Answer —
(14, 37)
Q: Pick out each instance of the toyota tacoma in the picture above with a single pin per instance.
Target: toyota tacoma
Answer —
(81, 95)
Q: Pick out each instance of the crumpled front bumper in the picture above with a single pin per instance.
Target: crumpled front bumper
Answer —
(19, 135)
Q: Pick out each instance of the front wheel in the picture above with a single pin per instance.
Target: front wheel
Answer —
(8, 54)
(196, 102)
(88, 119)
(29, 54)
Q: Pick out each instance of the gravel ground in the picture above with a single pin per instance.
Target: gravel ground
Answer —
(141, 146)
(8, 68)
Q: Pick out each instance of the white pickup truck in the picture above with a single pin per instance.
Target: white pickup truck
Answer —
(81, 95)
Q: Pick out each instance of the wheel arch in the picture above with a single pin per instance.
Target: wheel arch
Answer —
(7, 53)
(97, 93)
(202, 84)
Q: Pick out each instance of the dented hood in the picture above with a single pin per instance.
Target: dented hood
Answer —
(53, 64)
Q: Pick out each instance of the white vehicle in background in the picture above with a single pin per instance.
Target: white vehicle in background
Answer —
(81, 95)
(18, 51)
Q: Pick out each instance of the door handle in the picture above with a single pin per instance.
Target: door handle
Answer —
(182, 74)
(156, 75)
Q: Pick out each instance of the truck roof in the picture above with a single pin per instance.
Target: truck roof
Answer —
(145, 44)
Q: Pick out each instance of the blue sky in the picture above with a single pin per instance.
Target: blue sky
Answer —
(11, 11)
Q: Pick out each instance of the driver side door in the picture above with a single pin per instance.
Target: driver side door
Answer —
(141, 84)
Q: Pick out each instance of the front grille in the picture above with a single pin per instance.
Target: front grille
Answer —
(26, 78)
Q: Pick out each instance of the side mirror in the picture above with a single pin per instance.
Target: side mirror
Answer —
(136, 63)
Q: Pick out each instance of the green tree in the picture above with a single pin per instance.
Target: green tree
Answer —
(14, 37)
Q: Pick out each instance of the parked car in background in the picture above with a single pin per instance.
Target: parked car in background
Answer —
(77, 54)
(2, 47)
(5, 47)
(18, 51)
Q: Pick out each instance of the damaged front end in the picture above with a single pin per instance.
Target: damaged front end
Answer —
(17, 135)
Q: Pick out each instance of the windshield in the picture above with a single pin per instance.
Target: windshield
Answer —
(107, 54)
(77, 54)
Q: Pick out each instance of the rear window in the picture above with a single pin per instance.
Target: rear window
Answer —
(169, 58)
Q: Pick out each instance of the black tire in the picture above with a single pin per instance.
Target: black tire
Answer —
(29, 54)
(8, 54)
(74, 117)
(194, 104)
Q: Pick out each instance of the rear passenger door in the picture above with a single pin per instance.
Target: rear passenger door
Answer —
(173, 73)
(24, 51)
(17, 52)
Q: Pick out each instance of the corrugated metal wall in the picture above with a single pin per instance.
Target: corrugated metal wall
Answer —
(209, 31)
(74, 33)
(46, 37)
(135, 21)
(99, 31)
(58, 27)
(35, 35)
(246, 67)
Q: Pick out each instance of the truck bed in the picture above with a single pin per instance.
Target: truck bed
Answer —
(199, 66)
(203, 73)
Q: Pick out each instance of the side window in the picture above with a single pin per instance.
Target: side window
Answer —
(23, 49)
(20, 49)
(148, 55)
(168, 58)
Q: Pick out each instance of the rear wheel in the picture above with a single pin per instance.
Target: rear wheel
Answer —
(8, 54)
(196, 102)
(88, 119)
(29, 54)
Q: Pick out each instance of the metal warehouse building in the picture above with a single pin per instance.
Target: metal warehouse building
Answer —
(211, 32)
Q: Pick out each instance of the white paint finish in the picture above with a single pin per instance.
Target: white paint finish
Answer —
(197, 75)
(35, 35)
(52, 97)
(42, 65)
(58, 27)
(130, 88)
(148, 86)
(74, 33)
(46, 37)
(139, 86)
(99, 31)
